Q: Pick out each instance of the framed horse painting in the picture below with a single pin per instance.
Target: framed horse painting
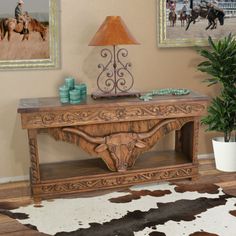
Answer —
(29, 34)
(184, 23)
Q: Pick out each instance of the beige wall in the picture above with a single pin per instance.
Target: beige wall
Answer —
(152, 68)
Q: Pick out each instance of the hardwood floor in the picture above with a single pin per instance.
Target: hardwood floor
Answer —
(13, 195)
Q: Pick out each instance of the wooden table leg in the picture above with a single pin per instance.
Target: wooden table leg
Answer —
(34, 159)
(186, 141)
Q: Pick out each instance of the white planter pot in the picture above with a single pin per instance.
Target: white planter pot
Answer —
(225, 154)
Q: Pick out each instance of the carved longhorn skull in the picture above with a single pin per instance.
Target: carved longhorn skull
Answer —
(120, 145)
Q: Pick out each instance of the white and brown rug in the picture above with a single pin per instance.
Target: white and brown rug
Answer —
(148, 210)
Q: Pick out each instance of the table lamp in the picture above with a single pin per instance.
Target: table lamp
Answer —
(115, 79)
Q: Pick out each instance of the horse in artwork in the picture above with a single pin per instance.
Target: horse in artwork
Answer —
(195, 13)
(214, 14)
(2, 30)
(10, 25)
(172, 18)
(210, 13)
(183, 17)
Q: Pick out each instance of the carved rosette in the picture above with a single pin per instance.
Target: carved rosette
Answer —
(124, 180)
(101, 115)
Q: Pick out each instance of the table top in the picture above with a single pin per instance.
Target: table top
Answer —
(28, 105)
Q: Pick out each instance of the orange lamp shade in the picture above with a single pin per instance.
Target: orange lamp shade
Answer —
(113, 31)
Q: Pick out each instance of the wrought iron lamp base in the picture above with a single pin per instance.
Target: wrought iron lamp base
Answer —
(115, 79)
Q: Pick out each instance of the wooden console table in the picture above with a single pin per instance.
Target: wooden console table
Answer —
(118, 133)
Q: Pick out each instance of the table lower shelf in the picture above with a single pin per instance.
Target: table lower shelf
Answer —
(88, 175)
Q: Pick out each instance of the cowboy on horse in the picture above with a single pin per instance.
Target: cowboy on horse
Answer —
(21, 17)
(171, 5)
(210, 6)
(184, 13)
(22, 24)
(185, 8)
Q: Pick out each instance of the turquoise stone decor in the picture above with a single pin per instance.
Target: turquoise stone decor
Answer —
(72, 93)
(162, 92)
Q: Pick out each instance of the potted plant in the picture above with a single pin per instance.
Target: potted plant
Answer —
(220, 64)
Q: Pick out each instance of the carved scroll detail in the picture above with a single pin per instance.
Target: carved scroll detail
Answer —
(104, 182)
(99, 115)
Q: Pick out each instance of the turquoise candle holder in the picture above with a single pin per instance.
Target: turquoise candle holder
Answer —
(83, 90)
(64, 94)
(64, 88)
(64, 100)
(77, 87)
(70, 82)
(75, 102)
(72, 93)
(75, 96)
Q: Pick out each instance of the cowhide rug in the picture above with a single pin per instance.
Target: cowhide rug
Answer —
(152, 210)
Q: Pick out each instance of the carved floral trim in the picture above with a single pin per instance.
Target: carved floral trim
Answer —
(91, 116)
(104, 182)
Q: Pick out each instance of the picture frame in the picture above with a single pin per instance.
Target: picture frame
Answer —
(196, 34)
(36, 52)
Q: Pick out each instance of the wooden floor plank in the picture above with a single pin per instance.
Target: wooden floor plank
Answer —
(26, 232)
(206, 161)
(13, 190)
(4, 219)
(14, 185)
(11, 227)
